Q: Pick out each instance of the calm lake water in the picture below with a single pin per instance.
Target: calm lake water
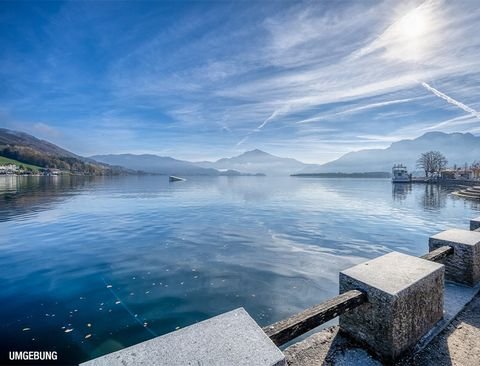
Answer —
(92, 265)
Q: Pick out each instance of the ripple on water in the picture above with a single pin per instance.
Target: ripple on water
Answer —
(93, 265)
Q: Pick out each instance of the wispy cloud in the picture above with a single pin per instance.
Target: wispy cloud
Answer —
(214, 80)
(360, 108)
(451, 123)
(45, 131)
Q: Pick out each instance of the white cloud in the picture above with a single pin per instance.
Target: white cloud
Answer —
(45, 131)
(452, 122)
(348, 55)
(356, 109)
(278, 66)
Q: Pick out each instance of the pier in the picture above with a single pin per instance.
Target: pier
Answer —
(396, 309)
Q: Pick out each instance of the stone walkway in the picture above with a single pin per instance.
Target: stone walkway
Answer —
(457, 345)
(327, 347)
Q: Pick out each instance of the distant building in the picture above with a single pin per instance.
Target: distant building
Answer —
(8, 169)
(447, 174)
(51, 171)
(464, 174)
(459, 173)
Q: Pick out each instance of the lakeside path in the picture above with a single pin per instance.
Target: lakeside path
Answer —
(457, 345)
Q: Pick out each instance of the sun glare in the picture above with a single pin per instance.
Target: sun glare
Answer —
(414, 24)
(410, 38)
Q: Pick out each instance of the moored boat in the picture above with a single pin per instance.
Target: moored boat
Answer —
(400, 174)
(173, 178)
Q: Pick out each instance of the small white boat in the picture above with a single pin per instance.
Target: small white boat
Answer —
(173, 178)
(400, 174)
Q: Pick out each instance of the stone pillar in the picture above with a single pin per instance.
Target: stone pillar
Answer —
(229, 339)
(463, 265)
(475, 223)
(405, 300)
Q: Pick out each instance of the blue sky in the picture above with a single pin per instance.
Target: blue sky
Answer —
(204, 80)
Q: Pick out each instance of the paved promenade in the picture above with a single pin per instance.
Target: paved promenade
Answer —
(457, 345)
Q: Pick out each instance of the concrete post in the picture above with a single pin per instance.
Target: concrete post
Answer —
(229, 339)
(464, 265)
(475, 223)
(405, 300)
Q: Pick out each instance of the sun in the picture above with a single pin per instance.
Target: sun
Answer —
(413, 25)
(410, 38)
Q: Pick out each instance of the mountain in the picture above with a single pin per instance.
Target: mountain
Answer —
(16, 138)
(28, 149)
(256, 161)
(459, 148)
(155, 164)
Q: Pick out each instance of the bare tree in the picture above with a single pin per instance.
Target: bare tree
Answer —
(432, 162)
(440, 161)
(425, 162)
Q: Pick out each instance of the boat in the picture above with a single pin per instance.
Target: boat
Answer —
(400, 174)
(173, 178)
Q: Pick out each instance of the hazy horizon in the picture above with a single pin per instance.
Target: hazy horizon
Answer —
(240, 153)
(207, 80)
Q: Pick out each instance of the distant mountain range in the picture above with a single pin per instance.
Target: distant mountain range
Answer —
(459, 148)
(257, 161)
(158, 165)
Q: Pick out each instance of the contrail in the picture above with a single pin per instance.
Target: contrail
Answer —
(450, 100)
(243, 140)
(272, 116)
(264, 123)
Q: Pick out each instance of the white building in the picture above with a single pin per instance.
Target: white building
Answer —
(8, 169)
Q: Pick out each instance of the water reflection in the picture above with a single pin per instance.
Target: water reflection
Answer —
(400, 191)
(8, 184)
(434, 196)
(430, 196)
(21, 195)
(137, 256)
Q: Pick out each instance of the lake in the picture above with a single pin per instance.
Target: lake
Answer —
(89, 265)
